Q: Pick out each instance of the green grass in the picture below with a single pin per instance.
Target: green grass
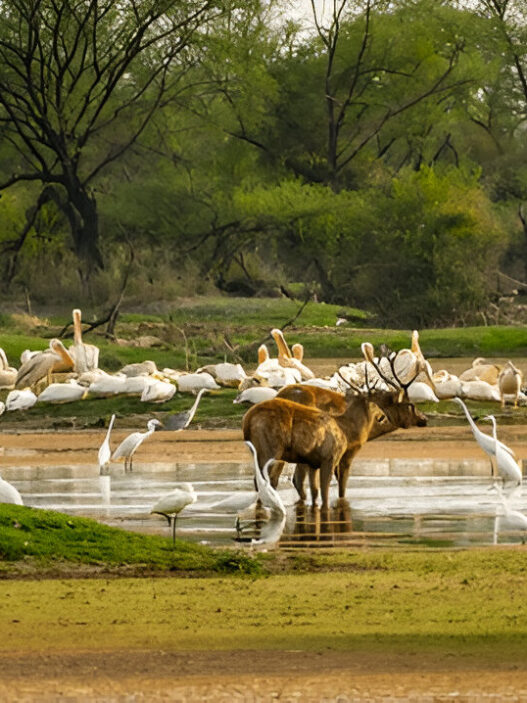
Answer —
(466, 603)
(50, 537)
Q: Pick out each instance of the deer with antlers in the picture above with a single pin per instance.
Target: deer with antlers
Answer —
(289, 431)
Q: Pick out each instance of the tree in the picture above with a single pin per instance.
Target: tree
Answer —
(80, 81)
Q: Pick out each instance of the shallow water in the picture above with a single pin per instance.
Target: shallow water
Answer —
(390, 511)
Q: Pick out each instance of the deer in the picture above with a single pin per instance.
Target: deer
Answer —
(289, 431)
(335, 404)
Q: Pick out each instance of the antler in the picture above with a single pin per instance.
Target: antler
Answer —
(351, 385)
(391, 356)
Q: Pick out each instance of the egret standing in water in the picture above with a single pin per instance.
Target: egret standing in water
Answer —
(173, 503)
(130, 444)
(487, 443)
(514, 518)
(506, 462)
(105, 453)
(268, 495)
(181, 421)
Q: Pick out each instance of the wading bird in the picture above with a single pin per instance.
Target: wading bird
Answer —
(173, 503)
(269, 496)
(9, 494)
(514, 518)
(130, 444)
(181, 421)
(487, 443)
(505, 460)
(105, 453)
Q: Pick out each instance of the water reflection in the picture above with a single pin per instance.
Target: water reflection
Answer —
(380, 510)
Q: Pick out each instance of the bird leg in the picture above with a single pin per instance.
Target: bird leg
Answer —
(174, 531)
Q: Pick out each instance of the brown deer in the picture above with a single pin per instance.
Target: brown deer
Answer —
(290, 431)
(334, 404)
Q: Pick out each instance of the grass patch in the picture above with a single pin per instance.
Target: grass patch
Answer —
(464, 603)
(50, 537)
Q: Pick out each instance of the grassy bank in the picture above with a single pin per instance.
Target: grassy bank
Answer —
(459, 603)
(47, 538)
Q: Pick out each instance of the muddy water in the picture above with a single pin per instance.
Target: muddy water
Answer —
(382, 509)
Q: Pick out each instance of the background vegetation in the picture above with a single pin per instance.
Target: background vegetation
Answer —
(373, 156)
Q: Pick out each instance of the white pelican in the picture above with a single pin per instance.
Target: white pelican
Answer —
(158, 392)
(421, 392)
(481, 371)
(20, 400)
(62, 393)
(173, 503)
(43, 364)
(193, 382)
(510, 382)
(8, 373)
(446, 385)
(136, 385)
(130, 444)
(226, 374)
(105, 453)
(9, 494)
(506, 462)
(107, 385)
(142, 368)
(255, 395)
(269, 496)
(181, 421)
(2, 407)
(480, 390)
(286, 358)
(86, 356)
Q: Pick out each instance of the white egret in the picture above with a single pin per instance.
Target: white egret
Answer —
(130, 444)
(506, 462)
(181, 421)
(9, 494)
(487, 443)
(173, 503)
(105, 453)
(269, 496)
(2, 407)
(514, 518)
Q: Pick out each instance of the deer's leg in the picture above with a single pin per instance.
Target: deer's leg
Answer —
(275, 471)
(326, 472)
(343, 470)
(299, 478)
(314, 484)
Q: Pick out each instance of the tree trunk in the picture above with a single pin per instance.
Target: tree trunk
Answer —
(81, 211)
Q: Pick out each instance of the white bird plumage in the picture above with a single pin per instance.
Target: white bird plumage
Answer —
(485, 441)
(130, 444)
(173, 503)
(9, 494)
(514, 518)
(269, 496)
(506, 462)
(105, 453)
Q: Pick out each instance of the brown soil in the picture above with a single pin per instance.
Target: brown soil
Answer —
(253, 676)
(55, 448)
